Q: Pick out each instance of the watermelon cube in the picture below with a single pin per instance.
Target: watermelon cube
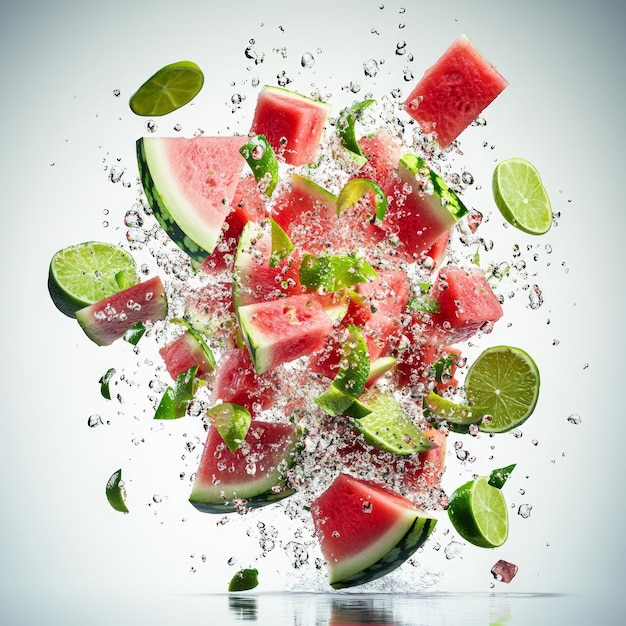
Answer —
(292, 124)
(467, 303)
(454, 91)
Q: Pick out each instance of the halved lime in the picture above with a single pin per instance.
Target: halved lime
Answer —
(478, 513)
(505, 380)
(86, 273)
(388, 427)
(115, 492)
(168, 89)
(521, 197)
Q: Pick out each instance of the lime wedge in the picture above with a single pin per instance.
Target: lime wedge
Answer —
(521, 197)
(478, 512)
(388, 426)
(504, 380)
(281, 244)
(86, 273)
(452, 412)
(232, 422)
(346, 128)
(355, 189)
(168, 89)
(262, 160)
(244, 580)
(115, 492)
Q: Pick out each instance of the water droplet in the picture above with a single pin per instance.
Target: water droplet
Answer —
(574, 418)
(150, 126)
(116, 173)
(307, 61)
(367, 506)
(535, 297)
(524, 510)
(94, 420)
(156, 498)
(282, 79)
(370, 68)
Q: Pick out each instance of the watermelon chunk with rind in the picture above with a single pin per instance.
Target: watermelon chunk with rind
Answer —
(184, 352)
(108, 320)
(252, 476)
(282, 330)
(190, 184)
(366, 530)
(293, 124)
(454, 91)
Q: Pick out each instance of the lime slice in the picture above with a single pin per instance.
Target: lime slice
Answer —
(86, 273)
(355, 189)
(478, 512)
(244, 580)
(115, 492)
(389, 427)
(521, 197)
(281, 244)
(232, 422)
(504, 380)
(170, 88)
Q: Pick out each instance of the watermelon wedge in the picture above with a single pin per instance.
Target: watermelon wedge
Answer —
(108, 320)
(292, 123)
(186, 351)
(190, 185)
(366, 530)
(250, 477)
(454, 91)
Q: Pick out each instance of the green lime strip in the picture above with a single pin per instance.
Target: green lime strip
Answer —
(168, 89)
(354, 365)
(521, 197)
(355, 189)
(244, 580)
(388, 427)
(334, 401)
(452, 412)
(448, 197)
(262, 160)
(334, 272)
(135, 333)
(498, 477)
(175, 400)
(115, 492)
(346, 124)
(232, 422)
(105, 381)
(281, 244)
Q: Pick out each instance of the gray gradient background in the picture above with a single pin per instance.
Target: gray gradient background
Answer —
(65, 557)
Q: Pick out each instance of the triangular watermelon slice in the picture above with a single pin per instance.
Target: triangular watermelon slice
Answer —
(366, 530)
(190, 185)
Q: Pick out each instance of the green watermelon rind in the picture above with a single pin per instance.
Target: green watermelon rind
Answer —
(365, 571)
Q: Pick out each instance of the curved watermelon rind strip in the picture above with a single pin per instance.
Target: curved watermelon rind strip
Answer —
(413, 539)
(233, 505)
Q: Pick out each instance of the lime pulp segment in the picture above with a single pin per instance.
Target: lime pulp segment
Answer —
(168, 89)
(521, 197)
(505, 380)
(86, 273)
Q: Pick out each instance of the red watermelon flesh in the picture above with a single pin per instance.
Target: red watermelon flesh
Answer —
(467, 303)
(254, 472)
(280, 331)
(183, 353)
(292, 124)
(248, 205)
(108, 320)
(190, 184)
(454, 91)
(236, 381)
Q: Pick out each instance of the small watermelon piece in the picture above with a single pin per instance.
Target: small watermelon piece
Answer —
(184, 352)
(108, 320)
(467, 303)
(190, 185)
(366, 530)
(282, 330)
(236, 381)
(454, 91)
(252, 476)
(292, 123)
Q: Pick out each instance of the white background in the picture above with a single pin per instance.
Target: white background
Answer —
(64, 554)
